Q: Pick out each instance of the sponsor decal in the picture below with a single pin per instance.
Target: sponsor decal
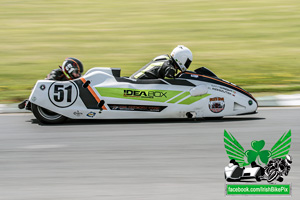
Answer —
(258, 164)
(223, 90)
(77, 113)
(136, 107)
(216, 104)
(178, 62)
(138, 94)
(91, 114)
(144, 94)
(43, 87)
(168, 96)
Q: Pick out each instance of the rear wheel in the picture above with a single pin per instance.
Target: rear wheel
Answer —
(47, 116)
(257, 178)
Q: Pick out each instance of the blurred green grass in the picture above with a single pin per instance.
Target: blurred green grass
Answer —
(254, 43)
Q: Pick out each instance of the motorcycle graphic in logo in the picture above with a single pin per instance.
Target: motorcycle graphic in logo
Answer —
(270, 165)
(216, 104)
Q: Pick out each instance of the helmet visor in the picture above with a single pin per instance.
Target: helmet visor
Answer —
(74, 73)
(187, 63)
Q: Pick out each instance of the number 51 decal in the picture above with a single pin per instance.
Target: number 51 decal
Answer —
(63, 94)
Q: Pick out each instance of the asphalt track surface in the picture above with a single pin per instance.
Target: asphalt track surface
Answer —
(133, 159)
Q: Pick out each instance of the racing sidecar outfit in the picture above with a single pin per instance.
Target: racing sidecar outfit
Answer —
(233, 172)
(160, 67)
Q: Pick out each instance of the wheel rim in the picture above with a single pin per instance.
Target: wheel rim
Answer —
(47, 114)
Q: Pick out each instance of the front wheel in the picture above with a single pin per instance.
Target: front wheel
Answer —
(47, 116)
(273, 175)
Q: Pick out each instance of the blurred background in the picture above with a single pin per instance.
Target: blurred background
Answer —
(254, 44)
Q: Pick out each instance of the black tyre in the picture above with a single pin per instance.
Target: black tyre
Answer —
(47, 116)
(273, 175)
(280, 179)
(212, 118)
(258, 179)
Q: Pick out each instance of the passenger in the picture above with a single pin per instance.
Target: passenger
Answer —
(70, 69)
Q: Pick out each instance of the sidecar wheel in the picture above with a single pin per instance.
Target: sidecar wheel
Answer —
(47, 116)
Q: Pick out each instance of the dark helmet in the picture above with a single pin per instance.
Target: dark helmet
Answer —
(72, 68)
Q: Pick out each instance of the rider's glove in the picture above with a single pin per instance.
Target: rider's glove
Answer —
(170, 72)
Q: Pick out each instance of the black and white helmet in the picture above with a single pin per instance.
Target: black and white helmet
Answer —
(72, 68)
(182, 56)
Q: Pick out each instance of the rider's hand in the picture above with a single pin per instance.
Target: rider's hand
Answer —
(170, 72)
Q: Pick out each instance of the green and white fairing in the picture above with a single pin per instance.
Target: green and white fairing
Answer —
(102, 94)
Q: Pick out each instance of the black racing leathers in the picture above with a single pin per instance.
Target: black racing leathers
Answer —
(160, 67)
(57, 75)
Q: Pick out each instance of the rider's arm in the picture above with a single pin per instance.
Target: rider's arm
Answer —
(168, 70)
(56, 75)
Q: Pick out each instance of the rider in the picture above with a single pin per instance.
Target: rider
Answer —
(280, 165)
(165, 65)
(70, 69)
